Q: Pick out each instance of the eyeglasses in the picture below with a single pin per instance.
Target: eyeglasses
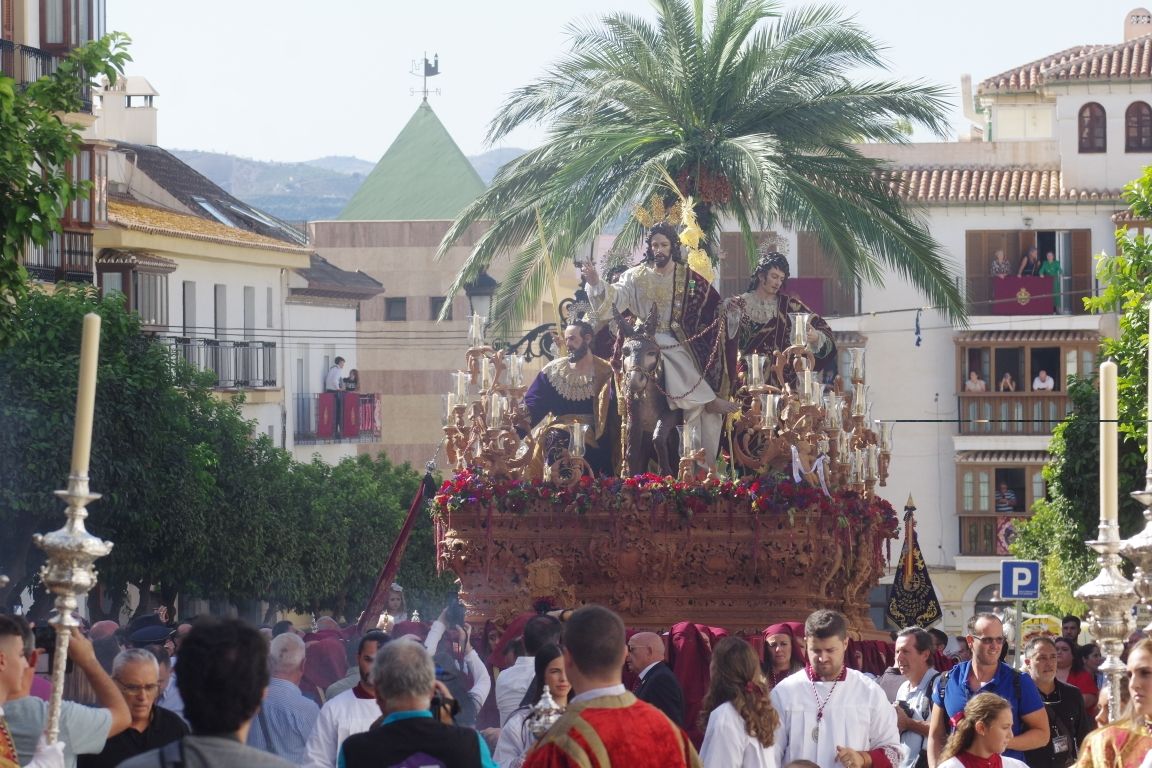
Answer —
(135, 689)
(988, 640)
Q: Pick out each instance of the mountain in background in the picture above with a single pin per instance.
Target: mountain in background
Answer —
(313, 190)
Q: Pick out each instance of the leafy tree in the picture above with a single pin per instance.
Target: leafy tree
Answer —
(37, 145)
(194, 503)
(1056, 533)
(755, 120)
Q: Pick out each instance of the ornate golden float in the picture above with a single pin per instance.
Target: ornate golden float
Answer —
(802, 530)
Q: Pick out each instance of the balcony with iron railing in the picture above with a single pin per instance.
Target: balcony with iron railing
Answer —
(317, 422)
(237, 364)
(1011, 413)
(26, 65)
(66, 257)
(1011, 295)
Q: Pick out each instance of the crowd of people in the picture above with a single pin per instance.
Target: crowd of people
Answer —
(218, 692)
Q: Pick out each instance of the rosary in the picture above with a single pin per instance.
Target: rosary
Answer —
(820, 705)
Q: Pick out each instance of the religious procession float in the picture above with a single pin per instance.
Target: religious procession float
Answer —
(783, 521)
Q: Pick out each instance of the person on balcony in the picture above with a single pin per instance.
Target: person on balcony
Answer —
(975, 383)
(1005, 499)
(1001, 267)
(761, 322)
(334, 382)
(1030, 266)
(1043, 382)
(1051, 268)
(1007, 383)
(352, 383)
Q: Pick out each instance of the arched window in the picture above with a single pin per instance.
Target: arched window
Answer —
(1138, 127)
(1092, 125)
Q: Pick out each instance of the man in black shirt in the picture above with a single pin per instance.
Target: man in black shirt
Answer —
(1067, 719)
(136, 673)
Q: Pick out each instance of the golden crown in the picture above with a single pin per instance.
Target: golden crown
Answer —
(656, 212)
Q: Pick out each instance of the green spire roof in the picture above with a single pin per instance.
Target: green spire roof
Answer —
(423, 176)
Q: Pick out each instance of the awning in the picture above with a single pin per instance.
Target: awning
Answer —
(1002, 458)
(973, 338)
(139, 259)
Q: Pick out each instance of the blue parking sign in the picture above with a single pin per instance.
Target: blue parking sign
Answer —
(1019, 580)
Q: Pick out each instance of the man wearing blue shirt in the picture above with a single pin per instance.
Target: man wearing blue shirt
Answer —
(404, 678)
(287, 716)
(985, 673)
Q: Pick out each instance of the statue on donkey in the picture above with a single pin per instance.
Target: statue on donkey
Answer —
(687, 327)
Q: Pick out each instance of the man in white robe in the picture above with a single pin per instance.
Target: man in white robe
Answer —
(832, 715)
(659, 281)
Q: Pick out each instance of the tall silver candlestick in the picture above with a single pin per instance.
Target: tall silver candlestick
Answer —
(71, 551)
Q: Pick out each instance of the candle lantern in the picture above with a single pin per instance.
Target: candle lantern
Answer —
(800, 321)
(857, 364)
(755, 369)
(476, 331)
(768, 410)
(576, 444)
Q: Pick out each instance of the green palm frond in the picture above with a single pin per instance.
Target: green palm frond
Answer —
(740, 89)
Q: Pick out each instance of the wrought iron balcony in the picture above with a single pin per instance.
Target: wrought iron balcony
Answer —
(316, 418)
(1012, 413)
(237, 364)
(26, 65)
(66, 257)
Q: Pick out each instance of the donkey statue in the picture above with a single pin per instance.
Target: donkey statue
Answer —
(651, 423)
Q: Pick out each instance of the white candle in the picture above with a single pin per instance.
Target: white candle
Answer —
(86, 395)
(755, 366)
(462, 387)
(1109, 482)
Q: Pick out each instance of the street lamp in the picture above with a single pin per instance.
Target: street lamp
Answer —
(480, 292)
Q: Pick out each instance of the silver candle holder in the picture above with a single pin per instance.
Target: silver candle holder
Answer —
(543, 714)
(68, 574)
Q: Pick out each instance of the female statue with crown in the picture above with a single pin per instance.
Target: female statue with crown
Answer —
(689, 323)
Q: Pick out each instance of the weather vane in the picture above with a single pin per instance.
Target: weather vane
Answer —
(430, 69)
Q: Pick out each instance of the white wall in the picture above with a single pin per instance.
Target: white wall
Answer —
(234, 276)
(1114, 168)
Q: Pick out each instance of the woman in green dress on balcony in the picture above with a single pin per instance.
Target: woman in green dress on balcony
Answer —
(1051, 268)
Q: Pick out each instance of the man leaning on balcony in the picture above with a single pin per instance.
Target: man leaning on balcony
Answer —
(334, 382)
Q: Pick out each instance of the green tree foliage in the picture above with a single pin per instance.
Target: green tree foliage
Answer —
(194, 502)
(35, 147)
(753, 110)
(1055, 535)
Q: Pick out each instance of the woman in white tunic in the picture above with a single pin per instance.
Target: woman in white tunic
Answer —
(981, 736)
(740, 723)
(515, 738)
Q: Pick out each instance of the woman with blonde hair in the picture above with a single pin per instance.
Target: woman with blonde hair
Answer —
(1127, 742)
(981, 736)
(737, 715)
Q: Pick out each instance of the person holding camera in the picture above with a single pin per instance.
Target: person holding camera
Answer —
(914, 647)
(457, 664)
(403, 676)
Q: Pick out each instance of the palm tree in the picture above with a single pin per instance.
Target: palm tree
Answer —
(753, 113)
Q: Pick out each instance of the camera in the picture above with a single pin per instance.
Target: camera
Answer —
(454, 616)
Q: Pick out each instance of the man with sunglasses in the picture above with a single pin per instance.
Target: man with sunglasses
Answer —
(986, 673)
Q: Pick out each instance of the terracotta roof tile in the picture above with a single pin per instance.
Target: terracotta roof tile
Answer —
(1028, 77)
(1130, 60)
(1126, 61)
(160, 221)
(977, 185)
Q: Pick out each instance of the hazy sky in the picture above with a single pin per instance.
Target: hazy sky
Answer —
(292, 80)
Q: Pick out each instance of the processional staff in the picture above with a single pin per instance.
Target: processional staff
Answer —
(71, 551)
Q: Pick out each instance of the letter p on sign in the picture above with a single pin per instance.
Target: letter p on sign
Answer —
(1019, 580)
